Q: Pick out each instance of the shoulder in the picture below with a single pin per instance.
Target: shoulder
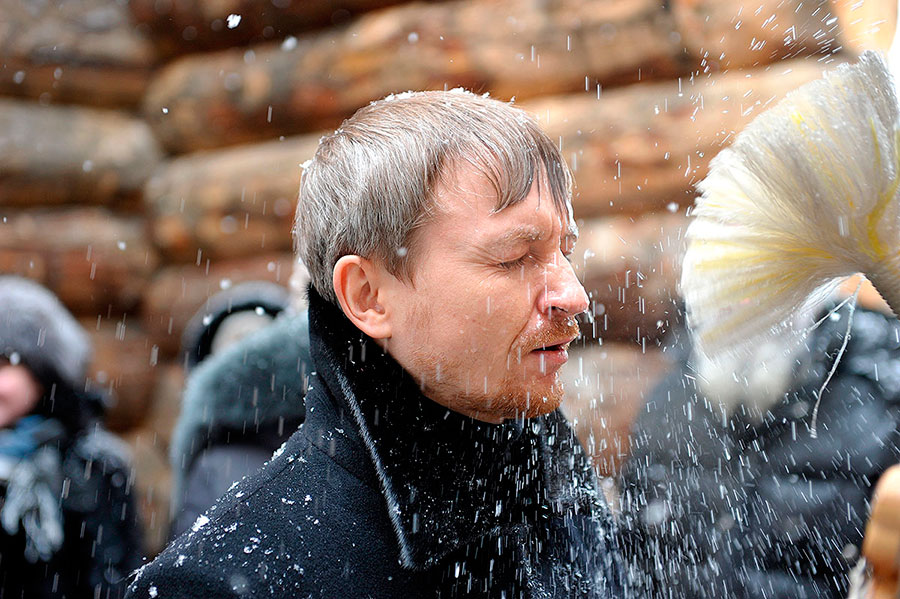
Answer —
(173, 576)
(292, 526)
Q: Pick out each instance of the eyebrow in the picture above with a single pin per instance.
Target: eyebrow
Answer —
(528, 234)
(517, 235)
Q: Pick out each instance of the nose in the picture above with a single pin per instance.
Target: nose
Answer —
(563, 293)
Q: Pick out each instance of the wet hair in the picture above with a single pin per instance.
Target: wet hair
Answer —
(372, 182)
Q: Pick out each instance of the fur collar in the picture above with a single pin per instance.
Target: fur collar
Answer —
(447, 479)
(257, 384)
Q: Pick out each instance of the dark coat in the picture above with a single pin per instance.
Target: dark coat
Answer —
(742, 507)
(79, 474)
(239, 406)
(383, 493)
(101, 543)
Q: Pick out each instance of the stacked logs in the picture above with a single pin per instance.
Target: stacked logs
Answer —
(150, 152)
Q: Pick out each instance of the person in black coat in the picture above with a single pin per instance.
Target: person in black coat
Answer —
(728, 494)
(433, 461)
(239, 406)
(68, 524)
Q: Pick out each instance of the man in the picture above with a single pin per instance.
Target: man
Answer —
(433, 461)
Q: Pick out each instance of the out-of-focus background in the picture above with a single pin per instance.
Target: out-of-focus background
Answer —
(150, 152)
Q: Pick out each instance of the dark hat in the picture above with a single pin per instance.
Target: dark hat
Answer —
(261, 297)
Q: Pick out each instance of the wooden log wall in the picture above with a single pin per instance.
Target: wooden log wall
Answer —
(150, 151)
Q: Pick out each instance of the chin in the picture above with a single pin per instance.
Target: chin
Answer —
(542, 404)
(512, 399)
(531, 402)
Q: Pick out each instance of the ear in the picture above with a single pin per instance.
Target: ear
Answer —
(357, 284)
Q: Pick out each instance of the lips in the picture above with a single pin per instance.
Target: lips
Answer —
(561, 345)
(548, 346)
(551, 352)
(551, 358)
(555, 335)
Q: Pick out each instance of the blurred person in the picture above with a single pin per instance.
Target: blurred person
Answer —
(243, 399)
(68, 525)
(433, 461)
(876, 577)
(727, 493)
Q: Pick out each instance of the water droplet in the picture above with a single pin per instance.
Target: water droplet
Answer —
(228, 225)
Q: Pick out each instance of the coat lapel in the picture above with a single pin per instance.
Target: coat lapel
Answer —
(447, 479)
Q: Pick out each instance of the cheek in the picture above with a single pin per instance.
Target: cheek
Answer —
(18, 395)
(477, 316)
(20, 379)
(494, 322)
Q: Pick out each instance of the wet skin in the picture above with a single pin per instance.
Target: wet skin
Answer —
(486, 320)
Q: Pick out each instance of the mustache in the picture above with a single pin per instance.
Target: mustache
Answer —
(551, 333)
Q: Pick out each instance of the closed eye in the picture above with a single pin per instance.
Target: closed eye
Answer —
(514, 264)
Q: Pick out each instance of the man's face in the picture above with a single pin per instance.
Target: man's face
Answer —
(19, 392)
(486, 321)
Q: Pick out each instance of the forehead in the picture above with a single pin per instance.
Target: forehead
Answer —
(466, 207)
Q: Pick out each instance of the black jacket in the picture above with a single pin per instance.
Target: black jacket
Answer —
(743, 507)
(68, 522)
(89, 476)
(383, 493)
(239, 407)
